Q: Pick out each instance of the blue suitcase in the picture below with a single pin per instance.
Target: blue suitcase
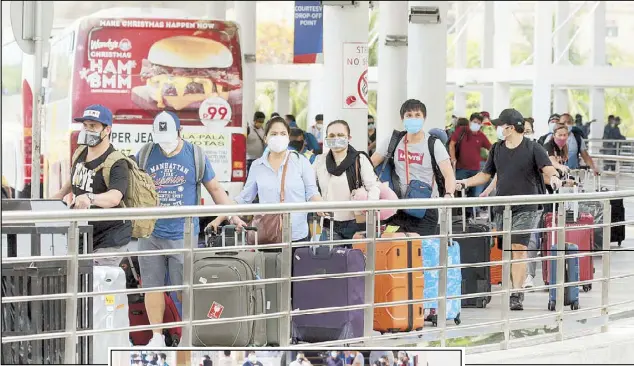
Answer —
(571, 293)
(431, 258)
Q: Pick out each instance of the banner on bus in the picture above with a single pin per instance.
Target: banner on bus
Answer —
(309, 26)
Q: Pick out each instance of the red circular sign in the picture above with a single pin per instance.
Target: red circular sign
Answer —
(362, 87)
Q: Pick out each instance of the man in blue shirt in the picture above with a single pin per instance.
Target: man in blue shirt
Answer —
(173, 165)
(311, 141)
(298, 144)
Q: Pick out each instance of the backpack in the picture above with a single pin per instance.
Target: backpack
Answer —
(387, 167)
(141, 190)
(199, 163)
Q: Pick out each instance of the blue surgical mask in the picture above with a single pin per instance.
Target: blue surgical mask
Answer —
(475, 127)
(500, 131)
(569, 128)
(551, 127)
(413, 125)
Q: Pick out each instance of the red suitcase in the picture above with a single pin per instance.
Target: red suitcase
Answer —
(584, 238)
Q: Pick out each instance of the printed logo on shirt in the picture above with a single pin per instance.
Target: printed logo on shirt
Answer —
(83, 178)
(414, 158)
(169, 179)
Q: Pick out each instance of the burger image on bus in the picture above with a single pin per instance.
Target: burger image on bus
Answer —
(181, 72)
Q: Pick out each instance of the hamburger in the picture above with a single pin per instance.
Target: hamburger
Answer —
(181, 72)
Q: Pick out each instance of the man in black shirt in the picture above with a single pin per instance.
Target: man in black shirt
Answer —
(371, 135)
(521, 166)
(87, 187)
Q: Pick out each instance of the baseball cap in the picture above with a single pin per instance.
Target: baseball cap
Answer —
(165, 127)
(509, 117)
(554, 116)
(96, 113)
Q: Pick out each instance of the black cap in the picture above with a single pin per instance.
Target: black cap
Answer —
(509, 117)
(554, 116)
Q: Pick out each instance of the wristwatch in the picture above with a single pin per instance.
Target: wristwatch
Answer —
(91, 197)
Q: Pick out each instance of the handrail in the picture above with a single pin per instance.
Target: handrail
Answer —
(22, 217)
(621, 158)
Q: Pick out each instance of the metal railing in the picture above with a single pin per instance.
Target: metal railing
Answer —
(617, 167)
(285, 313)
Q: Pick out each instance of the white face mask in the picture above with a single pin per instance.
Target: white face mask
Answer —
(278, 143)
(500, 132)
(336, 143)
(169, 147)
(253, 358)
(333, 354)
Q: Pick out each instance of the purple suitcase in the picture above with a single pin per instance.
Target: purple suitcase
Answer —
(332, 292)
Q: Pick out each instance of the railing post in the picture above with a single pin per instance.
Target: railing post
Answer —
(188, 280)
(561, 269)
(616, 177)
(370, 265)
(287, 261)
(442, 279)
(72, 282)
(506, 275)
(605, 258)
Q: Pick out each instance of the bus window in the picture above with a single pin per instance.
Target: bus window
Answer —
(60, 67)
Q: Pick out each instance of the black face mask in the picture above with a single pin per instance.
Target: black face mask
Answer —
(297, 145)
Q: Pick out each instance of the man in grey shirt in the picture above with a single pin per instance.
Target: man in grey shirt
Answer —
(255, 139)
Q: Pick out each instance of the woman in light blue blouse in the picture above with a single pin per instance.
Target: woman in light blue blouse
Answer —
(265, 178)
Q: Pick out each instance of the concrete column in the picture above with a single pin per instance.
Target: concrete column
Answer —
(246, 19)
(282, 97)
(486, 101)
(216, 10)
(392, 91)
(316, 92)
(597, 95)
(345, 24)
(502, 55)
(562, 37)
(542, 62)
(427, 64)
(460, 62)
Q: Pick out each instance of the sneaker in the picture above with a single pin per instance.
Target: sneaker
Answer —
(528, 283)
(158, 341)
(516, 302)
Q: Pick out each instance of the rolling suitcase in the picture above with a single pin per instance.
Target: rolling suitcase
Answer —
(474, 250)
(495, 256)
(273, 293)
(332, 292)
(617, 233)
(229, 302)
(109, 311)
(583, 238)
(571, 273)
(397, 254)
(431, 258)
(227, 237)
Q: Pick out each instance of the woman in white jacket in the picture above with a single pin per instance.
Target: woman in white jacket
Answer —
(342, 173)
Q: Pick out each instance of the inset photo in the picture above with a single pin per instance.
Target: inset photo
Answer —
(374, 357)
(197, 357)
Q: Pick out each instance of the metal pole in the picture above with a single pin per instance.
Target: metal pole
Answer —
(605, 257)
(616, 177)
(506, 276)
(442, 279)
(188, 280)
(370, 264)
(72, 282)
(36, 126)
(561, 270)
(287, 260)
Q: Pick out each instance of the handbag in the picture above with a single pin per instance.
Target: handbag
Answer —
(415, 189)
(270, 225)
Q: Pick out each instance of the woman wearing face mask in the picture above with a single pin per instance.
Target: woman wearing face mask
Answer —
(265, 178)
(529, 132)
(557, 148)
(342, 172)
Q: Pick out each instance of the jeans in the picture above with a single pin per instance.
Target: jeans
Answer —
(472, 191)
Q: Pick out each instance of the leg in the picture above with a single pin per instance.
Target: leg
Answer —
(175, 267)
(533, 247)
(518, 270)
(153, 275)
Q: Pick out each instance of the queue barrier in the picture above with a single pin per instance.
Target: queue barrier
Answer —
(285, 314)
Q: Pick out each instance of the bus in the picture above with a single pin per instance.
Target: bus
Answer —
(137, 65)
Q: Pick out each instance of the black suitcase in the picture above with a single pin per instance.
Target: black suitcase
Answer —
(214, 239)
(40, 317)
(474, 250)
(617, 233)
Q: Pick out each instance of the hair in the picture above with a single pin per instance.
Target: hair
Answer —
(530, 122)
(370, 116)
(275, 114)
(339, 122)
(566, 115)
(163, 356)
(611, 116)
(207, 357)
(477, 116)
(227, 353)
(553, 149)
(273, 121)
(462, 122)
(290, 117)
(319, 117)
(258, 115)
(413, 105)
(518, 128)
(296, 132)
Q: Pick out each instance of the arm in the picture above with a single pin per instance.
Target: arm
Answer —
(485, 175)
(117, 188)
(556, 164)
(369, 179)
(381, 152)
(376, 159)
(66, 189)
(372, 146)
(490, 188)
(450, 177)
(452, 151)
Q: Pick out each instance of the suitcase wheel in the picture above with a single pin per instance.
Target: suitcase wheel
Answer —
(294, 341)
(620, 242)
(457, 319)
(587, 288)
(551, 305)
(574, 305)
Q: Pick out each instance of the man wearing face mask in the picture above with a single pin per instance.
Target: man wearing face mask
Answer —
(428, 170)
(297, 143)
(552, 122)
(255, 139)
(465, 147)
(334, 359)
(371, 135)
(252, 360)
(88, 189)
(178, 169)
(521, 166)
(317, 130)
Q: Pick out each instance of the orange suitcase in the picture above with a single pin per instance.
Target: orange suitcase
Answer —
(397, 254)
(496, 255)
